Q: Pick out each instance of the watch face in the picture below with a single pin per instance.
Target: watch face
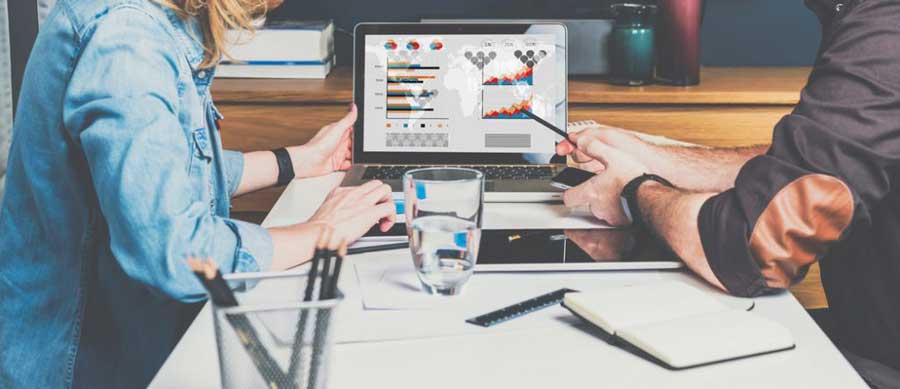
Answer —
(627, 209)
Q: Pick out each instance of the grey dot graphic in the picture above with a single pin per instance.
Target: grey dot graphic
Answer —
(468, 55)
(518, 53)
(523, 59)
(543, 53)
(487, 61)
(530, 53)
(530, 64)
(474, 61)
(480, 54)
(492, 55)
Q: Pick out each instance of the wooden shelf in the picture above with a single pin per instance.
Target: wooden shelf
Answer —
(336, 89)
(719, 86)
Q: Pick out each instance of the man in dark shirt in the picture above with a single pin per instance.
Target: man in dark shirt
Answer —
(751, 220)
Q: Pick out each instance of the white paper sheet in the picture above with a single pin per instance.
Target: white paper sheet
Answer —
(391, 284)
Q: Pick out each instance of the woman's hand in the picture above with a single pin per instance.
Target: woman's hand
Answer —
(327, 152)
(347, 212)
(352, 211)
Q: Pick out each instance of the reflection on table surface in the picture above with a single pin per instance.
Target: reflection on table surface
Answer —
(570, 246)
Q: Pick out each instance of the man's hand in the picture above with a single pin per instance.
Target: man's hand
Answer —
(327, 152)
(602, 193)
(688, 167)
(614, 137)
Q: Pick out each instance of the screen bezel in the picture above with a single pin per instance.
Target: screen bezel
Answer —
(440, 158)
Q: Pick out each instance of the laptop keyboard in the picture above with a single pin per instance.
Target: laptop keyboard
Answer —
(395, 172)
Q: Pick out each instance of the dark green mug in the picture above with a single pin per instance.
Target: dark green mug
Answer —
(631, 45)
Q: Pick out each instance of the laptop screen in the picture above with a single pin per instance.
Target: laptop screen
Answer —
(462, 93)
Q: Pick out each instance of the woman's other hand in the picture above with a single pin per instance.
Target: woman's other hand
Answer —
(352, 211)
(349, 212)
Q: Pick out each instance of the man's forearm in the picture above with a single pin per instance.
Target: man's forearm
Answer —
(672, 213)
(260, 172)
(700, 168)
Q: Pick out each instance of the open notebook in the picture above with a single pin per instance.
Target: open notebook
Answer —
(678, 325)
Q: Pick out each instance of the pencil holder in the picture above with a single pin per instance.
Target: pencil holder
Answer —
(274, 339)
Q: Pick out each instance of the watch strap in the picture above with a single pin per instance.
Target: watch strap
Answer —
(285, 166)
(630, 200)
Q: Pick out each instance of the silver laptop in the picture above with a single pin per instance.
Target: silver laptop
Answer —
(453, 95)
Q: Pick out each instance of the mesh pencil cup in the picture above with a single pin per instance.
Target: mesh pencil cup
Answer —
(274, 339)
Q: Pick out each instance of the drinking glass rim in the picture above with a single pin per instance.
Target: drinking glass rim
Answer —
(478, 174)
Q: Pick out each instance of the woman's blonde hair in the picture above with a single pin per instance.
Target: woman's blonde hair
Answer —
(216, 17)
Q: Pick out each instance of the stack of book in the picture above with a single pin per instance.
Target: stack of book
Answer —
(282, 49)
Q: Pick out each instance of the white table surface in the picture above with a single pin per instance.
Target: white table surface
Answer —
(544, 350)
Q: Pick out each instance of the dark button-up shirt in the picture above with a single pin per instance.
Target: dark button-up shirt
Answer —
(828, 189)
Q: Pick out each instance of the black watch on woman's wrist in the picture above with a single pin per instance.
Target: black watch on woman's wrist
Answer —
(285, 166)
(629, 196)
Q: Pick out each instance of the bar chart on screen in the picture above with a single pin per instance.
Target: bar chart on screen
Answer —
(411, 90)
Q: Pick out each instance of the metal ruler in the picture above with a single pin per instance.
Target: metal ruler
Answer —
(520, 309)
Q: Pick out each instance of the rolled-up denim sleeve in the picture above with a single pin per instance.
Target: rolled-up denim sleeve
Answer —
(234, 170)
(121, 106)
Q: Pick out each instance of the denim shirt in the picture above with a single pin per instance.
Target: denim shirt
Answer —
(116, 175)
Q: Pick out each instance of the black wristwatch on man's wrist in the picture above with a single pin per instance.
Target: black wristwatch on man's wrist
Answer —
(630, 200)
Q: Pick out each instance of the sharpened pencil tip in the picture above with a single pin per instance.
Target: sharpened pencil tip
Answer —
(195, 265)
(320, 242)
(210, 269)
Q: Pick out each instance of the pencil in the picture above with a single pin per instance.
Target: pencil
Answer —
(311, 278)
(342, 252)
(211, 278)
(320, 333)
(549, 126)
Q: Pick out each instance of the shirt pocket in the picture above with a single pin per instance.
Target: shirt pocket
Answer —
(201, 164)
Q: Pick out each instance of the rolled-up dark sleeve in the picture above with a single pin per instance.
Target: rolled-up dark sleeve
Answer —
(832, 161)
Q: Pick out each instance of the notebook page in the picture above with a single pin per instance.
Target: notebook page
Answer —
(708, 338)
(627, 307)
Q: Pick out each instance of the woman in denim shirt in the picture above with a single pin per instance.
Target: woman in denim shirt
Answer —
(117, 174)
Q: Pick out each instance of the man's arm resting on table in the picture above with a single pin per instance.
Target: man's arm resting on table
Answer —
(672, 214)
(700, 168)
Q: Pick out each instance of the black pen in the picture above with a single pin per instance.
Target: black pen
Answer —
(548, 125)
(372, 249)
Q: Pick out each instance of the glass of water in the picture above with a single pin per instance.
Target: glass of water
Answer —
(443, 208)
